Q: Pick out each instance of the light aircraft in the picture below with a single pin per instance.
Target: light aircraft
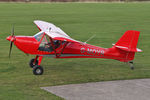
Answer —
(51, 41)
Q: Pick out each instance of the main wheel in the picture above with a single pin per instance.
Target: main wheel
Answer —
(38, 70)
(31, 63)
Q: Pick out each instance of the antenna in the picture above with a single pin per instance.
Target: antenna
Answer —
(90, 38)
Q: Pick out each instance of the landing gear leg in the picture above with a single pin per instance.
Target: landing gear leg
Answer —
(33, 62)
(37, 69)
(131, 65)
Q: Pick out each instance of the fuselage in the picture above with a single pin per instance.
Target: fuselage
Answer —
(30, 45)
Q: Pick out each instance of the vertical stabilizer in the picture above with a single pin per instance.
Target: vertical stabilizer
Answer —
(128, 41)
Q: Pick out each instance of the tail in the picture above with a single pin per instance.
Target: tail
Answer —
(128, 44)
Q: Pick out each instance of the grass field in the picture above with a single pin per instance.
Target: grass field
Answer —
(108, 21)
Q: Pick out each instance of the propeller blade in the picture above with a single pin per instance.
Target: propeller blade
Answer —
(12, 31)
(11, 44)
(10, 48)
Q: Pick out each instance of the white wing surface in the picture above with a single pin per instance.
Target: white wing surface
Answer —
(53, 31)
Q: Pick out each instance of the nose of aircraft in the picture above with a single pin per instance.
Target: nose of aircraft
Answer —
(10, 38)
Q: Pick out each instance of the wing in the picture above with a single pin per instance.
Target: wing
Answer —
(53, 31)
(44, 26)
(59, 36)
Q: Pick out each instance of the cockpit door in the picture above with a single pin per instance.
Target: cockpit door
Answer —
(45, 44)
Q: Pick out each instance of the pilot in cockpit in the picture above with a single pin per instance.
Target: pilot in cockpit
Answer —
(49, 47)
(45, 44)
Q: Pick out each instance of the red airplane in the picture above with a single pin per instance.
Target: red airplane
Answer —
(51, 41)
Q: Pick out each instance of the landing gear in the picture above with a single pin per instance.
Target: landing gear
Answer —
(131, 65)
(35, 64)
(38, 70)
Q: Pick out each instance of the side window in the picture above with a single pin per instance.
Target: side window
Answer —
(45, 44)
(38, 36)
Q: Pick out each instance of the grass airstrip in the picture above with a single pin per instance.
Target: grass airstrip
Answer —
(108, 21)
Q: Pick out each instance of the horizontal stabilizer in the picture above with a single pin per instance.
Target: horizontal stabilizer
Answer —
(129, 49)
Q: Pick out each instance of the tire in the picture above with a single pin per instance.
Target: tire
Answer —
(38, 70)
(31, 63)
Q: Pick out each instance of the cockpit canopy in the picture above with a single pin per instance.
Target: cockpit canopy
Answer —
(39, 35)
(45, 42)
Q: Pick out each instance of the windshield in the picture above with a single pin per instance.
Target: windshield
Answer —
(38, 36)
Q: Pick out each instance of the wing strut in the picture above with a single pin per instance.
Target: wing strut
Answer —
(63, 47)
(58, 54)
(53, 47)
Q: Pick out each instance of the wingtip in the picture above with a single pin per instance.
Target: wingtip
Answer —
(37, 21)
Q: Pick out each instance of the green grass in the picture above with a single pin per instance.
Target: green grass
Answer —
(79, 20)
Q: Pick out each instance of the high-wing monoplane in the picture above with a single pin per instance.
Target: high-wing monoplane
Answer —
(51, 41)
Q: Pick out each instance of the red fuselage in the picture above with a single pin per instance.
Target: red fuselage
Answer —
(29, 45)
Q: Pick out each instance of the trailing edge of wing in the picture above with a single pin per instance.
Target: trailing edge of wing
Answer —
(59, 36)
(65, 39)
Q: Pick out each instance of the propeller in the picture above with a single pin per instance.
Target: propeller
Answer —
(10, 48)
(12, 38)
